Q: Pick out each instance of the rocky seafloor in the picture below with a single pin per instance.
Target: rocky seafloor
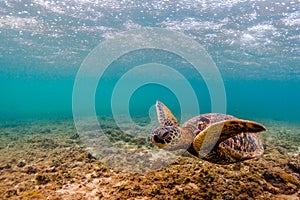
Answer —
(47, 160)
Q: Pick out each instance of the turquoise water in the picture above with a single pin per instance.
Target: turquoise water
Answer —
(255, 45)
(41, 98)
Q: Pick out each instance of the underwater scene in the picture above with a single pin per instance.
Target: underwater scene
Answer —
(190, 99)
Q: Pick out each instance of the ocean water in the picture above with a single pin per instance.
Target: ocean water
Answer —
(254, 45)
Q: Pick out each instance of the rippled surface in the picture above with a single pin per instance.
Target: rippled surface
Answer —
(256, 39)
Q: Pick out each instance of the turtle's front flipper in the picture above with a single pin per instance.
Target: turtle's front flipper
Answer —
(165, 116)
(220, 131)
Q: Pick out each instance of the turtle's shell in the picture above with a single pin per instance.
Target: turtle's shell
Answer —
(225, 139)
(200, 122)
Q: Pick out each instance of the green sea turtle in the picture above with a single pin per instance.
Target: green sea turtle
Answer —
(214, 137)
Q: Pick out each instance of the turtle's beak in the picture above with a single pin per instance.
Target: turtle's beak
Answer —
(156, 139)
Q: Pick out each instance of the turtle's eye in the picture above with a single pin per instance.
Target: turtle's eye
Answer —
(158, 140)
(165, 133)
(162, 132)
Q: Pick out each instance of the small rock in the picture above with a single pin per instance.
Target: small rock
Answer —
(193, 186)
(21, 164)
(7, 166)
(31, 170)
(10, 193)
(51, 169)
(90, 156)
(42, 179)
(293, 166)
(178, 188)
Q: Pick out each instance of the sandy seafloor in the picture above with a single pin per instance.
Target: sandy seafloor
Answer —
(43, 159)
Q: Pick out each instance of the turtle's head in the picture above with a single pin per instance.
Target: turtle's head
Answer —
(165, 136)
(171, 137)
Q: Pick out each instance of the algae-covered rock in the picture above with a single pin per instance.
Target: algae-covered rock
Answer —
(69, 171)
(41, 179)
(282, 181)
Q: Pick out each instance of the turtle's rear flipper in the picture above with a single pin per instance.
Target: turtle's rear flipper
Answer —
(220, 131)
(243, 146)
